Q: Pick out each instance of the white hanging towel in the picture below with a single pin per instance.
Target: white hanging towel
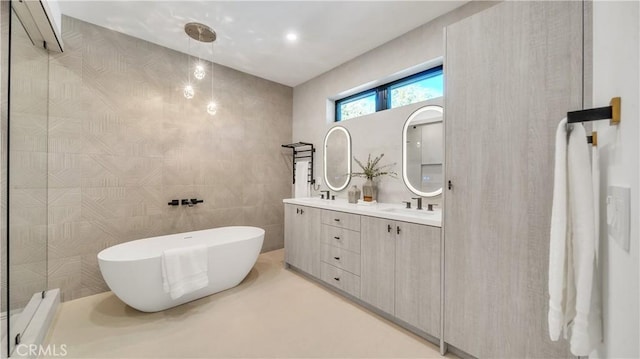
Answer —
(558, 236)
(302, 188)
(583, 237)
(572, 241)
(184, 270)
(595, 314)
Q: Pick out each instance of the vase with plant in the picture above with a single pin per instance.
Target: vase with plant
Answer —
(370, 171)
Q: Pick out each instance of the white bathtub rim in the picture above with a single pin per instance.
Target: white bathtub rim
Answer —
(248, 233)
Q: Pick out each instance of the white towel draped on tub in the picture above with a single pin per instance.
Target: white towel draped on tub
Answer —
(572, 242)
(184, 270)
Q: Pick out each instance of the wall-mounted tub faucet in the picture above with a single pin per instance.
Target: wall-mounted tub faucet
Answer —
(191, 202)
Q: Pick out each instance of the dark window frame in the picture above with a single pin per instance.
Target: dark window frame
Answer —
(383, 99)
(355, 97)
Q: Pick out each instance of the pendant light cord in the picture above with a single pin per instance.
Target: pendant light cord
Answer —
(212, 71)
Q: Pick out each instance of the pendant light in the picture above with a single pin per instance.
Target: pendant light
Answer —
(212, 107)
(199, 72)
(188, 91)
(202, 33)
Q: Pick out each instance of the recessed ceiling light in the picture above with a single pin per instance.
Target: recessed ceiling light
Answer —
(292, 36)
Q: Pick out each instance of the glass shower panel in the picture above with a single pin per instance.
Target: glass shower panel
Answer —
(28, 125)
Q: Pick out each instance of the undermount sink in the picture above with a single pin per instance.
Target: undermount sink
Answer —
(410, 212)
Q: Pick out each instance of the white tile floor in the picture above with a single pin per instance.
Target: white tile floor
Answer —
(274, 313)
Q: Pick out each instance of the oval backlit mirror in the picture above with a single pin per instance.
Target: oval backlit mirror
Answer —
(337, 158)
(422, 149)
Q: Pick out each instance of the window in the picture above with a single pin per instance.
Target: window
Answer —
(411, 89)
(358, 105)
(420, 87)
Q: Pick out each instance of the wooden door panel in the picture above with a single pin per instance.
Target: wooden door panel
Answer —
(512, 72)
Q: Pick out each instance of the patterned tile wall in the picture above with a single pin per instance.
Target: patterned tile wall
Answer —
(123, 141)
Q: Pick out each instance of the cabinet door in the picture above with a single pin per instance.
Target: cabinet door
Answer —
(512, 73)
(302, 238)
(418, 276)
(377, 273)
(291, 247)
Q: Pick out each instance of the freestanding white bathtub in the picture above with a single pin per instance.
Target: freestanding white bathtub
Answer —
(133, 270)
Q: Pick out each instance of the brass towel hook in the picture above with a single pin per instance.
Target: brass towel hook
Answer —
(611, 112)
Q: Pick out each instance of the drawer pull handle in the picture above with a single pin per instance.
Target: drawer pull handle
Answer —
(398, 230)
(336, 237)
(337, 278)
(388, 228)
(301, 211)
(298, 210)
(336, 258)
(337, 219)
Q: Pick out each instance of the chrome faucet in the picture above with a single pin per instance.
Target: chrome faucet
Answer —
(419, 204)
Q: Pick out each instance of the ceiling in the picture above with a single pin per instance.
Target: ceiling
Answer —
(251, 34)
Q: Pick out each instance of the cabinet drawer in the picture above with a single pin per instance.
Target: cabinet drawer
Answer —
(341, 258)
(342, 220)
(340, 237)
(341, 279)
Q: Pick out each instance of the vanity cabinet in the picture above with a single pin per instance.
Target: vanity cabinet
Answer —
(301, 238)
(400, 271)
(340, 251)
(417, 280)
(378, 263)
(391, 265)
(341, 220)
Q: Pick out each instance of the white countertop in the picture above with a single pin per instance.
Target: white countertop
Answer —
(392, 211)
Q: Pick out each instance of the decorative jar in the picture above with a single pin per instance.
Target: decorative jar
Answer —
(369, 191)
(354, 194)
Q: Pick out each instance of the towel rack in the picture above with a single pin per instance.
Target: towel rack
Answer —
(302, 150)
(611, 112)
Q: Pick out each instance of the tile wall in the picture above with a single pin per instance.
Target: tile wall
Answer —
(123, 141)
